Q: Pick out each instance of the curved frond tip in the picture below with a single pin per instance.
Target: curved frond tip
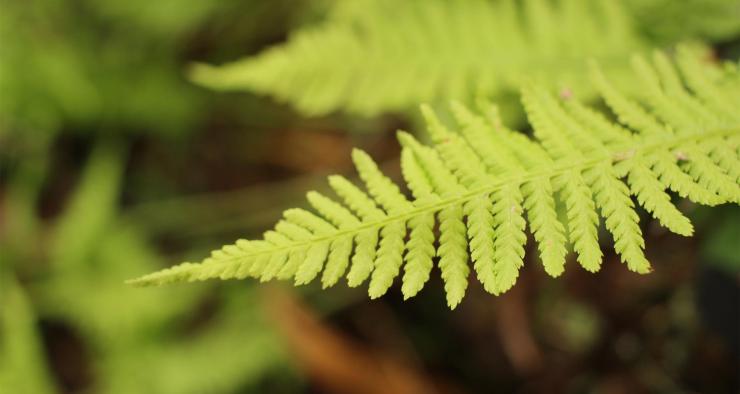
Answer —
(480, 185)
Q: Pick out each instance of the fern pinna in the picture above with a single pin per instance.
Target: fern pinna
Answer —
(475, 190)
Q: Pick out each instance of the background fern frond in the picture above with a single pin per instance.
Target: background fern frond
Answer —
(667, 20)
(482, 186)
(373, 56)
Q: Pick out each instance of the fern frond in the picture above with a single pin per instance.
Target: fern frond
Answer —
(482, 185)
(378, 55)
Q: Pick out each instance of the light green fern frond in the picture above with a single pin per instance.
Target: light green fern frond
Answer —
(379, 55)
(481, 185)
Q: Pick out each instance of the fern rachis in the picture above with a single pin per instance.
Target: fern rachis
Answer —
(484, 184)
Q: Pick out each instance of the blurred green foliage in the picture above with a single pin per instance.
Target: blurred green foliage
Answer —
(669, 21)
(98, 62)
(22, 364)
(722, 232)
(91, 251)
(98, 75)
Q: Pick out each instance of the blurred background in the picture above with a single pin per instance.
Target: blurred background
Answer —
(113, 164)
